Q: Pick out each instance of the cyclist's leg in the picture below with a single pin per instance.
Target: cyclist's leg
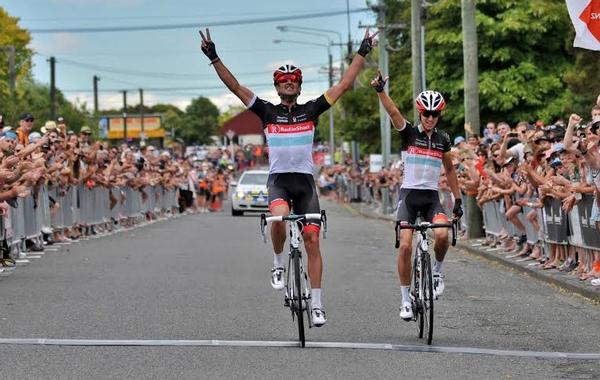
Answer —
(406, 213)
(278, 206)
(441, 241)
(441, 244)
(306, 201)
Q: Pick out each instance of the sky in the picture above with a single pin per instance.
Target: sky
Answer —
(171, 58)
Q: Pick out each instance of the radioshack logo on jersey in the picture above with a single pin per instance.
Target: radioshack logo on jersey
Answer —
(425, 152)
(293, 128)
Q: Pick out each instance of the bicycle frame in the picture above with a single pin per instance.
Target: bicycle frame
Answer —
(296, 277)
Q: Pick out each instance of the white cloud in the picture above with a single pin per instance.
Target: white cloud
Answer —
(59, 43)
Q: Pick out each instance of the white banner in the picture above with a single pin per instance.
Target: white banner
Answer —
(585, 16)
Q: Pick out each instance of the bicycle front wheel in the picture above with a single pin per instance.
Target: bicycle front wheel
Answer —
(298, 296)
(427, 300)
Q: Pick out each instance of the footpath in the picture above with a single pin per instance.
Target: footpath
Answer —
(557, 278)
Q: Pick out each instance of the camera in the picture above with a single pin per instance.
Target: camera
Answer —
(139, 164)
(513, 134)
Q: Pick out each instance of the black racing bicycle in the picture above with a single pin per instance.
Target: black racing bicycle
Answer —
(421, 289)
(297, 286)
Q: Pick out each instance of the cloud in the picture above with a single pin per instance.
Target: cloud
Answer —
(59, 43)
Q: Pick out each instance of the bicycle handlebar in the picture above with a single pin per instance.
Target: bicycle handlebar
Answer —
(264, 220)
(423, 226)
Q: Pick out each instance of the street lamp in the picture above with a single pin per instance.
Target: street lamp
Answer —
(316, 32)
(331, 126)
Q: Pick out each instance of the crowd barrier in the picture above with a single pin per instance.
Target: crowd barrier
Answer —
(55, 208)
(556, 226)
(575, 228)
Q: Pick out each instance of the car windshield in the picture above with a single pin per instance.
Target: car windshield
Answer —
(254, 179)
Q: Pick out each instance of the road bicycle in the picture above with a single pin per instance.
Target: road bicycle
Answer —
(421, 289)
(297, 287)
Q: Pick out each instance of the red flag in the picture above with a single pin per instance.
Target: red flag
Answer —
(585, 16)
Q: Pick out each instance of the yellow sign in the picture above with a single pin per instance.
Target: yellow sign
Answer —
(152, 127)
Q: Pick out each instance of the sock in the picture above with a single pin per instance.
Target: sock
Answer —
(405, 294)
(316, 298)
(278, 260)
(437, 266)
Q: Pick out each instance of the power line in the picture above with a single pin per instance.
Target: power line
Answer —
(161, 75)
(197, 24)
(104, 19)
(169, 89)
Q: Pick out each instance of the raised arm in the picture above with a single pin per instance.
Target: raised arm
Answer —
(347, 80)
(574, 120)
(208, 48)
(395, 116)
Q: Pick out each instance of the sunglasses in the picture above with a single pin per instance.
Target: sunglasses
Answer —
(433, 114)
(287, 77)
(29, 120)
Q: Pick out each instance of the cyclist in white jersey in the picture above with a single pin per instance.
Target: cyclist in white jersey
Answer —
(289, 128)
(425, 151)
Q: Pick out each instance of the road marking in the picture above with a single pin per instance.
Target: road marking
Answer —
(258, 343)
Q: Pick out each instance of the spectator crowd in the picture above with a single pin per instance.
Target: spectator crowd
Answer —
(58, 185)
(537, 186)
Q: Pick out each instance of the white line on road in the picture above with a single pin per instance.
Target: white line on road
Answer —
(258, 343)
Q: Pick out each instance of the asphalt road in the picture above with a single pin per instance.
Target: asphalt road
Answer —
(206, 277)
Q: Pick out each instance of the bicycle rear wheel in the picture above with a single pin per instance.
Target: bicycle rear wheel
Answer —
(427, 300)
(297, 300)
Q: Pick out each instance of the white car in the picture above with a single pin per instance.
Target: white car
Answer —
(250, 192)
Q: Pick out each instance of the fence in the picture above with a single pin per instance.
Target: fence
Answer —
(556, 227)
(79, 206)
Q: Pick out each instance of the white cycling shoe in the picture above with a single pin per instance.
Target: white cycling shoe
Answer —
(438, 284)
(406, 311)
(277, 278)
(318, 317)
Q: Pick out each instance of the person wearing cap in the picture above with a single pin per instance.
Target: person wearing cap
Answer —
(517, 141)
(48, 127)
(25, 125)
(84, 135)
(460, 142)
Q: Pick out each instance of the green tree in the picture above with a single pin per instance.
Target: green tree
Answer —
(200, 122)
(35, 99)
(12, 34)
(527, 67)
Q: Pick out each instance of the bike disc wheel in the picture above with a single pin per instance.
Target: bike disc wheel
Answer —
(427, 312)
(298, 297)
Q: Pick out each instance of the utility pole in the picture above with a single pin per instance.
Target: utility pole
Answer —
(471, 85)
(96, 79)
(12, 73)
(125, 115)
(416, 13)
(52, 61)
(142, 135)
(331, 123)
(384, 119)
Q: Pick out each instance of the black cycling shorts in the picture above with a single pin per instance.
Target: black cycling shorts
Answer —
(414, 201)
(296, 189)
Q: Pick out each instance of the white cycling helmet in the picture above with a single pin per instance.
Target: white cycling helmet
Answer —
(430, 101)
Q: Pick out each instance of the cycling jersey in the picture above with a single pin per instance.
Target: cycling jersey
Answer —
(422, 156)
(290, 133)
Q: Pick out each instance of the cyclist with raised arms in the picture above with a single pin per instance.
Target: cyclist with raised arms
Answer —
(425, 149)
(289, 128)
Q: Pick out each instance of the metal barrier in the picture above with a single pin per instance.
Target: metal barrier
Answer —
(557, 227)
(64, 207)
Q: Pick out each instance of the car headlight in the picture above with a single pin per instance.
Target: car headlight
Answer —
(240, 194)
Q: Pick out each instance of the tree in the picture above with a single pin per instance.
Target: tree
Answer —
(527, 69)
(13, 35)
(200, 122)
